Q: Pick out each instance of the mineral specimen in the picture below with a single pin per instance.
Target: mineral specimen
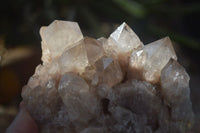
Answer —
(108, 85)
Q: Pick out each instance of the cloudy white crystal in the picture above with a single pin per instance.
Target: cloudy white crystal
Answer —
(57, 37)
(124, 39)
(146, 64)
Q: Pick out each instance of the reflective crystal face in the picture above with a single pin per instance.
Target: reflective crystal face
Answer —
(75, 94)
(77, 55)
(121, 43)
(148, 62)
(124, 39)
(105, 71)
(57, 37)
(175, 82)
(94, 49)
(112, 72)
(107, 85)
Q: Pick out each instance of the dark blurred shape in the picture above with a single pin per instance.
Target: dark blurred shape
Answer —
(16, 67)
(7, 114)
(9, 84)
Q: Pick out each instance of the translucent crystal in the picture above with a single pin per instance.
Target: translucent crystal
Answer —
(75, 94)
(176, 92)
(102, 40)
(112, 73)
(175, 82)
(124, 39)
(113, 85)
(39, 78)
(147, 63)
(77, 55)
(48, 102)
(105, 70)
(137, 93)
(57, 37)
(94, 49)
(121, 43)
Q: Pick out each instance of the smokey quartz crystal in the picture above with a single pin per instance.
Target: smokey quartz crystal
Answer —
(114, 85)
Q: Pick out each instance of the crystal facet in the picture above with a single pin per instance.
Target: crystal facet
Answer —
(77, 98)
(121, 43)
(57, 37)
(107, 85)
(77, 55)
(94, 49)
(147, 63)
(175, 82)
(124, 39)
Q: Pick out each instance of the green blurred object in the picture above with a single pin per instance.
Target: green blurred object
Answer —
(131, 7)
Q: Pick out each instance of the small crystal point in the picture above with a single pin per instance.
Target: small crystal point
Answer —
(107, 62)
(163, 46)
(121, 43)
(57, 37)
(102, 40)
(77, 55)
(105, 70)
(175, 82)
(125, 39)
(94, 49)
(81, 104)
(176, 92)
(148, 62)
(112, 73)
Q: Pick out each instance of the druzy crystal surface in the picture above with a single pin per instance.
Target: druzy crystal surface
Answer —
(114, 85)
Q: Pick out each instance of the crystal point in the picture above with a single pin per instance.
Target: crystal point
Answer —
(147, 63)
(105, 70)
(77, 55)
(94, 49)
(121, 43)
(175, 82)
(125, 38)
(77, 98)
(57, 37)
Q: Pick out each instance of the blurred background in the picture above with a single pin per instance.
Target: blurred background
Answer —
(20, 49)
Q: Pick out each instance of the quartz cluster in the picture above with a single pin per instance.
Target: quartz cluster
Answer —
(113, 85)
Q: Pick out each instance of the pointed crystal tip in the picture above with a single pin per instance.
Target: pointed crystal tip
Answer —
(124, 39)
(57, 37)
(148, 62)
